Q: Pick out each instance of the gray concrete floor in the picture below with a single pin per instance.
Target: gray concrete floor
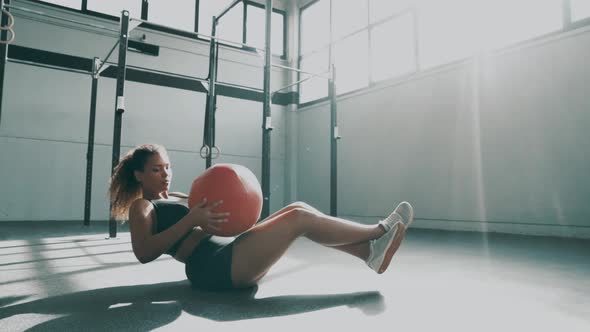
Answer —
(73, 279)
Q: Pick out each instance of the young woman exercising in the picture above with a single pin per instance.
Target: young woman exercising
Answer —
(160, 222)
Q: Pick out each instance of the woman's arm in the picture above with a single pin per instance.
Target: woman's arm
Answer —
(148, 246)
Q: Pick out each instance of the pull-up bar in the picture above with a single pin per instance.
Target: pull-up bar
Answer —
(301, 81)
(302, 71)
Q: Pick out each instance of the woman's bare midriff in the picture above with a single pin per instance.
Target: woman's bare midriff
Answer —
(189, 244)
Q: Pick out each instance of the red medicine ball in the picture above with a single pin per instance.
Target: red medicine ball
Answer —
(240, 192)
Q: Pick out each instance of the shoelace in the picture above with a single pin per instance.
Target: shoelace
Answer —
(388, 222)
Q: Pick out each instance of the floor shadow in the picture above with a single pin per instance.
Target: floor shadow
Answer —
(33, 230)
(53, 259)
(146, 307)
(4, 301)
(75, 247)
(37, 242)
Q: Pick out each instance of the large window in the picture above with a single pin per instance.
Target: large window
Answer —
(403, 36)
(455, 29)
(348, 17)
(351, 59)
(315, 39)
(255, 32)
(372, 40)
(115, 8)
(580, 9)
(447, 31)
(314, 88)
(392, 48)
(505, 22)
(180, 14)
(315, 27)
(381, 9)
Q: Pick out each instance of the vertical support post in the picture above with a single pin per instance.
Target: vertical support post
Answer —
(334, 137)
(144, 9)
(119, 103)
(333, 129)
(211, 106)
(3, 52)
(90, 152)
(266, 116)
(196, 29)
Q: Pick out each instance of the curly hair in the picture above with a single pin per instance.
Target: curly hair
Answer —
(124, 188)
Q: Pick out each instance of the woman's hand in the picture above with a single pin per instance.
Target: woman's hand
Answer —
(203, 215)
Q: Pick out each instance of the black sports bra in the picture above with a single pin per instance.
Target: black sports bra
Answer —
(167, 214)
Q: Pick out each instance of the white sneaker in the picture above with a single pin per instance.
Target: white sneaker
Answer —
(403, 212)
(383, 248)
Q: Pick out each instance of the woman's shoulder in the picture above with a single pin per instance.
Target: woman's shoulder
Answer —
(139, 205)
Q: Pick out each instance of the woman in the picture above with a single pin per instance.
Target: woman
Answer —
(160, 222)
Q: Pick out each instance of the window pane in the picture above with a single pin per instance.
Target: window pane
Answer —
(351, 59)
(180, 14)
(348, 16)
(315, 26)
(506, 22)
(208, 9)
(392, 48)
(255, 32)
(448, 30)
(580, 9)
(76, 4)
(380, 9)
(115, 8)
(231, 25)
(317, 87)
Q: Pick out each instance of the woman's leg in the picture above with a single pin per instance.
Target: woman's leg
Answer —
(258, 249)
(360, 250)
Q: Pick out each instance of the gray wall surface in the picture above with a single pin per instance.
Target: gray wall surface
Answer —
(498, 142)
(494, 143)
(45, 118)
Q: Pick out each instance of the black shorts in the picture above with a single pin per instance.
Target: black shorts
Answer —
(209, 266)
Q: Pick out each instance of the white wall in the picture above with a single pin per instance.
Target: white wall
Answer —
(45, 117)
(494, 143)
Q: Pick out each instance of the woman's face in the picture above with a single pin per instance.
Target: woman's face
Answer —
(156, 175)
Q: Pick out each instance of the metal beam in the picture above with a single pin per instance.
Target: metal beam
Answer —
(3, 53)
(334, 137)
(90, 152)
(209, 132)
(266, 115)
(119, 103)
